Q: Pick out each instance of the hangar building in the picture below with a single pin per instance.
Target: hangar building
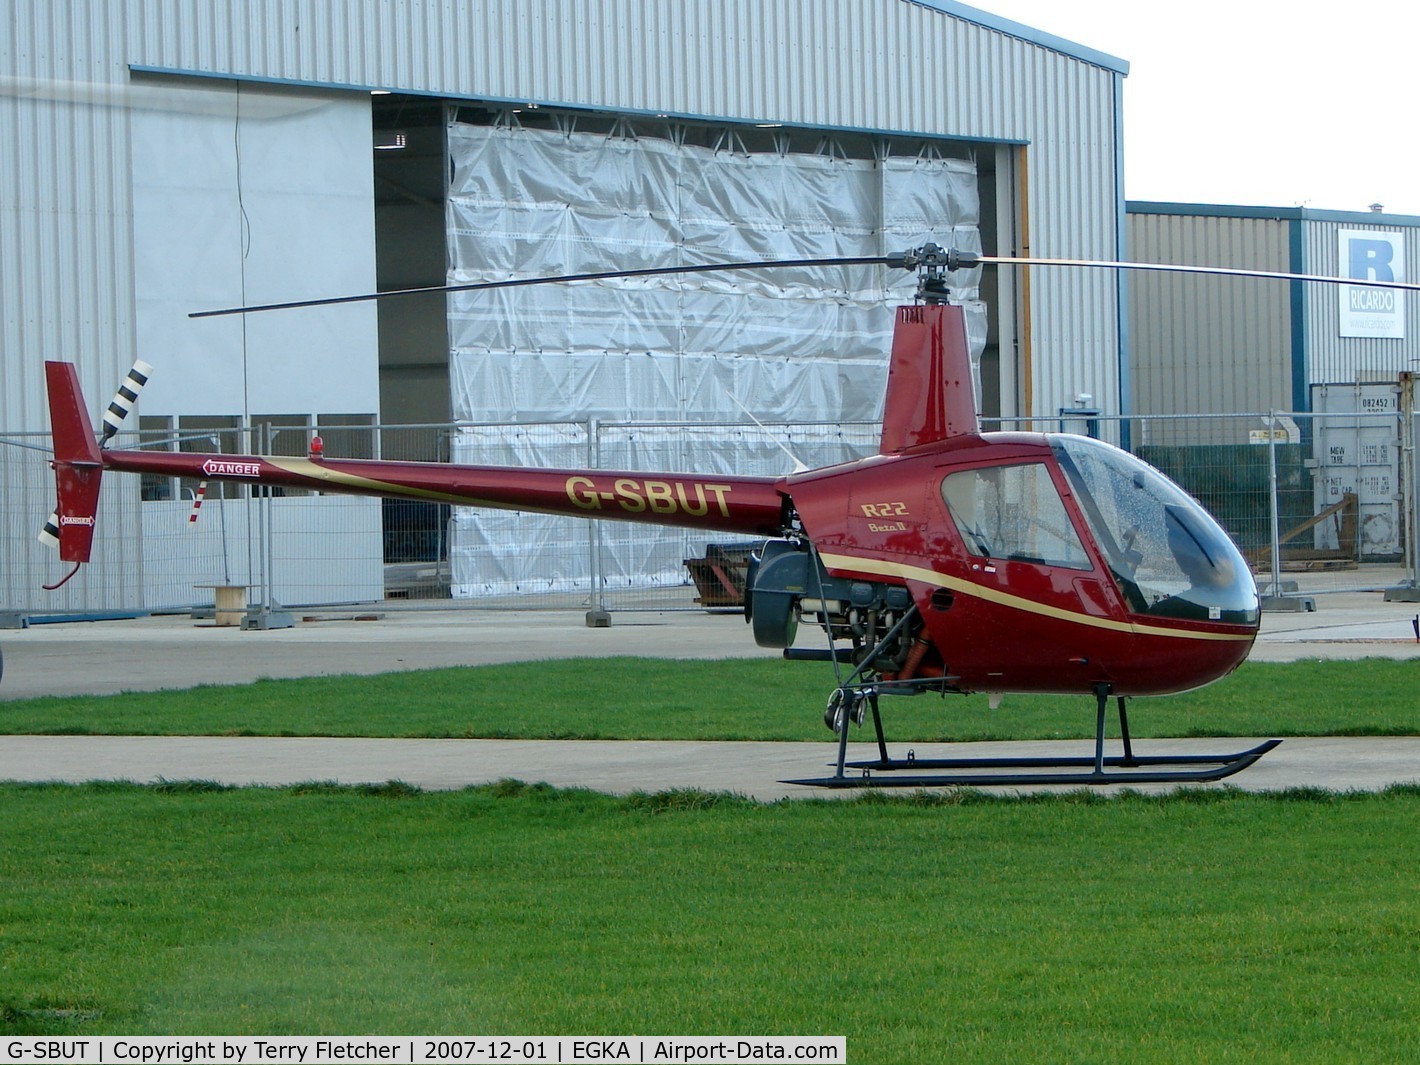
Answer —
(166, 156)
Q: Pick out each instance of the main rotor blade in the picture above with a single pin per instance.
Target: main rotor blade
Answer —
(930, 257)
(519, 282)
(967, 259)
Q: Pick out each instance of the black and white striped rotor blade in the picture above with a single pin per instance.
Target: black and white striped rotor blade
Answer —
(124, 399)
(49, 532)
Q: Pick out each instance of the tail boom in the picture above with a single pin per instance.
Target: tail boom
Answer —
(753, 506)
(745, 505)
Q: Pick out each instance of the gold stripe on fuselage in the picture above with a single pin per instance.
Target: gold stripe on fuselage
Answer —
(317, 471)
(884, 568)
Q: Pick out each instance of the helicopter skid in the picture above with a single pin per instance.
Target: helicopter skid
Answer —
(854, 702)
(955, 772)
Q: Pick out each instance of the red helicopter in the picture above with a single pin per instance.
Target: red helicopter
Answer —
(953, 561)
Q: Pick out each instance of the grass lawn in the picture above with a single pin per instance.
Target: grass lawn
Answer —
(736, 699)
(1208, 926)
(1214, 926)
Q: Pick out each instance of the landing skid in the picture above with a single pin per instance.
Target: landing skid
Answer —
(1128, 768)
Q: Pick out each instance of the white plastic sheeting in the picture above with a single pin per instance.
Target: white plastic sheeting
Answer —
(503, 553)
(790, 345)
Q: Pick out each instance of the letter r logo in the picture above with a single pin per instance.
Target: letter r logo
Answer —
(1370, 260)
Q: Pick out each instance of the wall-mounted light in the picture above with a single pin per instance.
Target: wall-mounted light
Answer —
(390, 140)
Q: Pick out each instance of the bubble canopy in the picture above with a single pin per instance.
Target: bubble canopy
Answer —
(1168, 555)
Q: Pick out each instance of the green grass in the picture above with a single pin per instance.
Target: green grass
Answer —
(740, 699)
(1207, 926)
(1213, 926)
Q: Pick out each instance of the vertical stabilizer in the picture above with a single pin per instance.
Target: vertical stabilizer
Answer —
(77, 465)
(930, 394)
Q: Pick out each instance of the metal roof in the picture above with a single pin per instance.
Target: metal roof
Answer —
(1029, 34)
(1300, 214)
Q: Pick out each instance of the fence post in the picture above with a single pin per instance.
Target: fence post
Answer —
(1408, 591)
(1412, 499)
(267, 617)
(1275, 599)
(598, 617)
(1273, 505)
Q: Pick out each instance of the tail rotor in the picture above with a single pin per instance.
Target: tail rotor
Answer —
(124, 399)
(78, 459)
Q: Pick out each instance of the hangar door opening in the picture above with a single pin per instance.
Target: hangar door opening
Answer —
(607, 373)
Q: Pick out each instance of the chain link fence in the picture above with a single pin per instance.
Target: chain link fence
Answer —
(1318, 502)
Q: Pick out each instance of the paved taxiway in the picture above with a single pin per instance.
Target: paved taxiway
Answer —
(175, 651)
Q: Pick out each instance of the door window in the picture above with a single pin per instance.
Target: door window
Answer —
(1014, 513)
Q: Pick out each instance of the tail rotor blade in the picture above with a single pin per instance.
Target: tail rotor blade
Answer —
(49, 533)
(124, 399)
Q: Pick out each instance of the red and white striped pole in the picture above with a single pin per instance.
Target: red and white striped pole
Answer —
(197, 502)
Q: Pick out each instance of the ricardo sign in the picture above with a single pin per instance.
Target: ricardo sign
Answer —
(1371, 256)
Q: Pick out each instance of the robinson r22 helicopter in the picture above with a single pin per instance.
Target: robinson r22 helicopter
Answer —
(954, 560)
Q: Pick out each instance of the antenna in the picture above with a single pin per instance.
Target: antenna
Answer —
(799, 466)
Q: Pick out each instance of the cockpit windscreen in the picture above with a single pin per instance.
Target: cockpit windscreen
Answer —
(1168, 555)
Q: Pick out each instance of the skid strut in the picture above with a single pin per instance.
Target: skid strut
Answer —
(913, 772)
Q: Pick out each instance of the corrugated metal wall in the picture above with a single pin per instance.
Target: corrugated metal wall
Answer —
(66, 288)
(1332, 358)
(885, 65)
(66, 284)
(66, 205)
(1203, 344)
(1222, 345)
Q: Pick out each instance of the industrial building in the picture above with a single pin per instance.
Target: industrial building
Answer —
(169, 156)
(1214, 344)
(1335, 361)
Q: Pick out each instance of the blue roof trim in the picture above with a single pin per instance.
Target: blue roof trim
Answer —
(1297, 308)
(1210, 210)
(1301, 214)
(1029, 34)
